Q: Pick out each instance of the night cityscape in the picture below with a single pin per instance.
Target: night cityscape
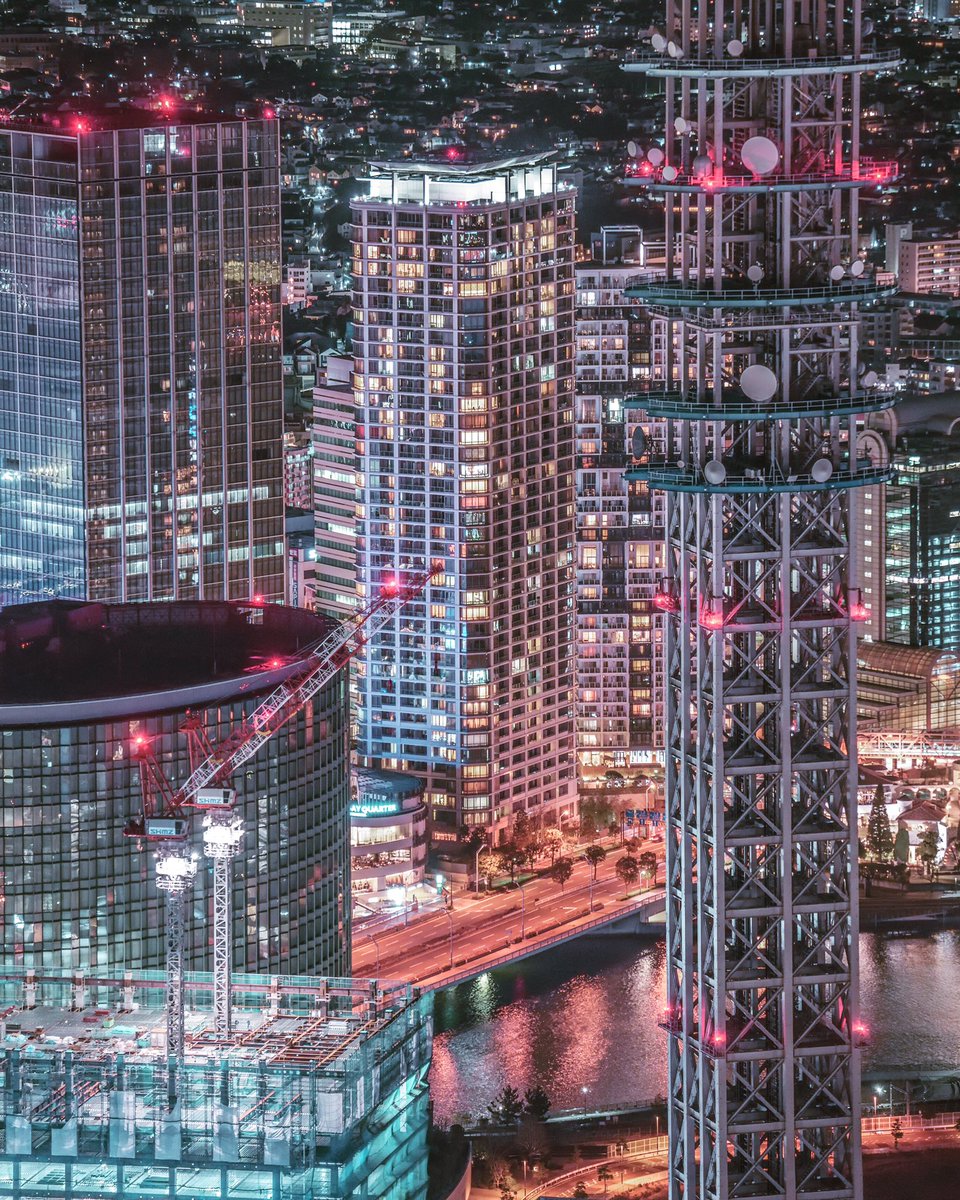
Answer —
(479, 600)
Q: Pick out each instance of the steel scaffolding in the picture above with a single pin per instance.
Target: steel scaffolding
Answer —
(760, 175)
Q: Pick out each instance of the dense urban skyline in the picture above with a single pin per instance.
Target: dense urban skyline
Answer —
(475, 478)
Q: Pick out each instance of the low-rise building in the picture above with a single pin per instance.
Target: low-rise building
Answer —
(388, 830)
(927, 265)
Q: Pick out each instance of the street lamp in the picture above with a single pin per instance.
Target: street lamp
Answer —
(446, 913)
(585, 1092)
(476, 865)
(523, 912)
(376, 945)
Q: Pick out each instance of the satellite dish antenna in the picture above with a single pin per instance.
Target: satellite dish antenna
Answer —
(669, 174)
(821, 470)
(702, 165)
(755, 274)
(659, 43)
(867, 27)
(869, 379)
(856, 267)
(714, 472)
(655, 155)
(680, 125)
(758, 383)
(633, 149)
(735, 48)
(672, 49)
(679, 52)
(638, 443)
(760, 155)
(837, 273)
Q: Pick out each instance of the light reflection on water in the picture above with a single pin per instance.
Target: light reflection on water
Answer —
(585, 1015)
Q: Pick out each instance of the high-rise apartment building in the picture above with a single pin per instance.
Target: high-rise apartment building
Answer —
(619, 530)
(334, 436)
(464, 295)
(140, 377)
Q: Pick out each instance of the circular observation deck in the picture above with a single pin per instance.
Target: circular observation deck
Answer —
(711, 66)
(735, 406)
(668, 293)
(740, 479)
(868, 173)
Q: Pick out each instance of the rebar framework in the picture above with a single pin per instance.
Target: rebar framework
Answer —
(759, 598)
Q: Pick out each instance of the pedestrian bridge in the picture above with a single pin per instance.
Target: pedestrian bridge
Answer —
(641, 914)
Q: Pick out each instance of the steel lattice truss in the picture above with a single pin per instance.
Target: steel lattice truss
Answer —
(760, 599)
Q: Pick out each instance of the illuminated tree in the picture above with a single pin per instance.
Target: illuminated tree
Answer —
(628, 872)
(561, 871)
(594, 856)
(879, 835)
(648, 864)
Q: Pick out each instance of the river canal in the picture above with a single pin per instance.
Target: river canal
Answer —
(585, 1016)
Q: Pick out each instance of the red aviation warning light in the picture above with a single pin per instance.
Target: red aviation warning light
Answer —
(711, 616)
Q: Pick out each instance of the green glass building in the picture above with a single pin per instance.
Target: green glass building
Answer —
(78, 682)
(923, 542)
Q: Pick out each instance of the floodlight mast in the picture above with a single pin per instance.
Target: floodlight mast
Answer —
(760, 176)
(165, 820)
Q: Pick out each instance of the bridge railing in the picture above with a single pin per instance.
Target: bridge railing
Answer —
(652, 900)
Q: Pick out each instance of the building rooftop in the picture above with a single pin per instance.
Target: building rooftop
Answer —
(298, 1022)
(321, 1090)
(74, 120)
(67, 661)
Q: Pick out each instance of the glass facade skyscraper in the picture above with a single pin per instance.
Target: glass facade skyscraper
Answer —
(463, 298)
(923, 542)
(140, 375)
(77, 683)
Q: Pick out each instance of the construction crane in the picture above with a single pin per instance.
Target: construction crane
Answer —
(166, 824)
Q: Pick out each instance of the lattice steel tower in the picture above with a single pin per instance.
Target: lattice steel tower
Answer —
(760, 175)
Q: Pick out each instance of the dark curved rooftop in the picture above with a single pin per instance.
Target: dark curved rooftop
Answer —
(68, 662)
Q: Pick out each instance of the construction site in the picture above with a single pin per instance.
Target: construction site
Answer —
(319, 1091)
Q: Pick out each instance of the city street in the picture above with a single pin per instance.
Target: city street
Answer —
(486, 926)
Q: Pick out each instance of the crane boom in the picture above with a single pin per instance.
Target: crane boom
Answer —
(323, 662)
(168, 825)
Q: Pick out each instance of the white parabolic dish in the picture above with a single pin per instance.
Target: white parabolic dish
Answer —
(758, 382)
(760, 155)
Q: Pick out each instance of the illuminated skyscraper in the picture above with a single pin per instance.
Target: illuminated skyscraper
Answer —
(140, 376)
(760, 175)
(463, 341)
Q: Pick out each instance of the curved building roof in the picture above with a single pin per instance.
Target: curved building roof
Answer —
(920, 662)
(930, 414)
(66, 662)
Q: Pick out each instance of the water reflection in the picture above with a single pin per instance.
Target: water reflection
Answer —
(585, 1015)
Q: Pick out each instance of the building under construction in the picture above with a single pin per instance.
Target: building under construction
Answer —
(320, 1090)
